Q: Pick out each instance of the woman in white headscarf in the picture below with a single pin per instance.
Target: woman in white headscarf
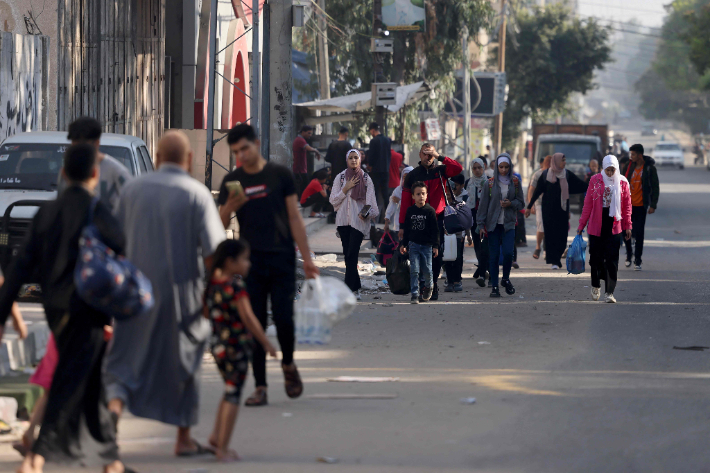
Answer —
(475, 188)
(555, 186)
(352, 191)
(392, 212)
(607, 210)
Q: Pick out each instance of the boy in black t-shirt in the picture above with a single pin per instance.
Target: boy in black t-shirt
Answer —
(421, 239)
(266, 205)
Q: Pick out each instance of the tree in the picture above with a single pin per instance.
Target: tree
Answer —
(555, 55)
(432, 55)
(698, 40)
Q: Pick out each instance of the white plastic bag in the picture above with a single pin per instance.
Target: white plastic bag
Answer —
(451, 248)
(324, 302)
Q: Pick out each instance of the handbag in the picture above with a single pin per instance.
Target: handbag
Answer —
(386, 248)
(457, 217)
(109, 282)
(451, 248)
(398, 274)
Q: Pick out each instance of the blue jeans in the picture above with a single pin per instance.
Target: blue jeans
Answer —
(420, 260)
(496, 239)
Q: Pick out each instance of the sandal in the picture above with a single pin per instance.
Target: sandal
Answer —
(199, 450)
(536, 253)
(258, 398)
(292, 382)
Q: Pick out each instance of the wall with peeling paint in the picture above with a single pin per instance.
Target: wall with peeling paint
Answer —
(16, 16)
(23, 83)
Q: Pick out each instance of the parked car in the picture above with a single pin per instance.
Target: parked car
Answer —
(648, 130)
(29, 172)
(668, 153)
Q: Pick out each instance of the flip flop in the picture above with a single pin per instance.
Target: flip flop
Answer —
(200, 451)
(536, 253)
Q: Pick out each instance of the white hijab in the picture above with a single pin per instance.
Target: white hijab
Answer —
(504, 158)
(614, 183)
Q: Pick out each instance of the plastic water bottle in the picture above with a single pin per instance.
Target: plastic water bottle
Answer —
(373, 258)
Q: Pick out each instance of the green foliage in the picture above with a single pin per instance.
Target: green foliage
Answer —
(698, 40)
(432, 55)
(556, 56)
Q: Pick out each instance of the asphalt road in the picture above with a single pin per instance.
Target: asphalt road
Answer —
(561, 383)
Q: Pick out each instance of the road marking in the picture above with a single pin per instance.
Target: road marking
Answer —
(533, 301)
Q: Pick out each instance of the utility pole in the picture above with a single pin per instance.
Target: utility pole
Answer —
(280, 117)
(323, 66)
(466, 100)
(498, 131)
(377, 66)
(209, 138)
(255, 66)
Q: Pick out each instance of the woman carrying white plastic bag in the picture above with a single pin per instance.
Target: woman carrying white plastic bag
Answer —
(324, 302)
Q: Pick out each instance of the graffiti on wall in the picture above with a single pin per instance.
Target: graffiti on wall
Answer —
(21, 83)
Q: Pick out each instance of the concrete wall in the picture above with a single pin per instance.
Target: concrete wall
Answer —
(23, 83)
(220, 155)
(12, 20)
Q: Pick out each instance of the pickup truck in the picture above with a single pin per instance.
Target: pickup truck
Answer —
(29, 172)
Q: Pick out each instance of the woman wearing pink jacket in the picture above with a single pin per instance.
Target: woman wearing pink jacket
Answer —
(607, 210)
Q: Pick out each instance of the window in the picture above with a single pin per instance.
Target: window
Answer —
(147, 163)
(31, 165)
(667, 147)
(576, 152)
(123, 155)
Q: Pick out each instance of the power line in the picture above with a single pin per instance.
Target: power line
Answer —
(592, 4)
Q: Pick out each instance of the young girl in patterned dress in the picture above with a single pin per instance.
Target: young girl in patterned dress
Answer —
(233, 325)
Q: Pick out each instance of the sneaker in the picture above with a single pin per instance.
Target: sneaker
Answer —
(516, 265)
(415, 299)
(610, 298)
(458, 287)
(554, 266)
(628, 263)
(426, 294)
(509, 289)
(357, 295)
(637, 267)
(596, 293)
(495, 292)
(481, 282)
(449, 288)
(435, 293)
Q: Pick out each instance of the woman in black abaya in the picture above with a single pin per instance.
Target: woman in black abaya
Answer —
(555, 185)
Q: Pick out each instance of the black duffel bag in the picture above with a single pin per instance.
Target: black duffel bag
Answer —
(398, 274)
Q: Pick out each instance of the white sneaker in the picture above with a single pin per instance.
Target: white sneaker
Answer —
(554, 266)
(596, 293)
(610, 298)
(357, 295)
(628, 263)
(637, 267)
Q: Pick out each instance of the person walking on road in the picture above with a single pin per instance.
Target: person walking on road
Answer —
(421, 241)
(353, 198)
(76, 407)
(643, 177)
(233, 326)
(379, 155)
(456, 193)
(300, 161)
(269, 220)
(537, 209)
(476, 184)
(392, 212)
(435, 176)
(557, 184)
(501, 200)
(172, 229)
(337, 152)
(607, 210)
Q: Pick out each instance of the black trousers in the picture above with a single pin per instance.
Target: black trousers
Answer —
(638, 220)
(77, 410)
(351, 240)
(301, 183)
(273, 275)
(455, 268)
(604, 260)
(318, 202)
(482, 254)
(381, 180)
(438, 262)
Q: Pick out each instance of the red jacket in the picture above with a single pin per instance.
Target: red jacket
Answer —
(593, 208)
(430, 177)
(395, 163)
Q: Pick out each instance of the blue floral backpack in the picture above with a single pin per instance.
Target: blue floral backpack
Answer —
(109, 282)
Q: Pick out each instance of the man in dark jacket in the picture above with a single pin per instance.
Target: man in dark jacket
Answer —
(643, 182)
(434, 175)
(378, 159)
(337, 152)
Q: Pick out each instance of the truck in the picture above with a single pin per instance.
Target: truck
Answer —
(579, 143)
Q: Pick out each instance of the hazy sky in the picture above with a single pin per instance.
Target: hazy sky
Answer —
(646, 12)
